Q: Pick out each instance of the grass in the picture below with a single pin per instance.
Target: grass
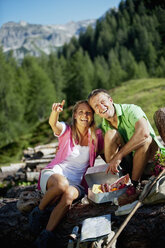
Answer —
(149, 94)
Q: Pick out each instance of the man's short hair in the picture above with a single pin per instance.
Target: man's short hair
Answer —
(96, 92)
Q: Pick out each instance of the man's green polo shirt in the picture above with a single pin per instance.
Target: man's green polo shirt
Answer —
(128, 115)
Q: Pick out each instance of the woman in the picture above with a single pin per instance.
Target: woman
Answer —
(63, 178)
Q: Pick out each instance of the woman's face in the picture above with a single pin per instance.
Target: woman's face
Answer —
(83, 115)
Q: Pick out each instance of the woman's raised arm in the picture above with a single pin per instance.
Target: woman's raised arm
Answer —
(53, 119)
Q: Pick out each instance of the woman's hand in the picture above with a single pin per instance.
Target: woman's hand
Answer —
(58, 107)
(53, 119)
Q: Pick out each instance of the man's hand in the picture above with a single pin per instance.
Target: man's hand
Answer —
(113, 165)
(58, 107)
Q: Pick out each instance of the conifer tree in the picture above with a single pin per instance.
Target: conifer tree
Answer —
(80, 77)
(116, 73)
(10, 107)
(56, 69)
(160, 70)
(101, 74)
(41, 93)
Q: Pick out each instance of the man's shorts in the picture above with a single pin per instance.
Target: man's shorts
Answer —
(46, 173)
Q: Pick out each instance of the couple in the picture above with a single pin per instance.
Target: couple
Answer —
(125, 130)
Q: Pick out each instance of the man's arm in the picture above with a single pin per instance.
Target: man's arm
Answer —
(138, 139)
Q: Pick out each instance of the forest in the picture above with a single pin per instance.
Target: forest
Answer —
(128, 43)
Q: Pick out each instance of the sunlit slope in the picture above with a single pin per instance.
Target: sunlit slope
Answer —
(149, 94)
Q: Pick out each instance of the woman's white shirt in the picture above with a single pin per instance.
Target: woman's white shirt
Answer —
(74, 166)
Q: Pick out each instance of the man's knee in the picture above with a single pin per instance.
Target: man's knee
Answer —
(147, 146)
(148, 141)
(112, 136)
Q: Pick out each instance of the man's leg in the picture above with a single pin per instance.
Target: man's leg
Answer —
(142, 155)
(112, 143)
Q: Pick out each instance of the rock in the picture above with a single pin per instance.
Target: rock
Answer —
(23, 38)
(159, 118)
(15, 192)
(14, 226)
(28, 200)
(145, 230)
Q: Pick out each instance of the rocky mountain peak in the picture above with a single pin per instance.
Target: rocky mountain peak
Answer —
(24, 38)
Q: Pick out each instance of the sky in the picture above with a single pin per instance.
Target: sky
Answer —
(47, 12)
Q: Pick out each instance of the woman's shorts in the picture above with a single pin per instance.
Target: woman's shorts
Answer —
(46, 173)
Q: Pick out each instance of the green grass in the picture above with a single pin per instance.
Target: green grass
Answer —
(149, 94)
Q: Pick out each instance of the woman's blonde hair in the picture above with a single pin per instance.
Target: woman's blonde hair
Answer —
(75, 132)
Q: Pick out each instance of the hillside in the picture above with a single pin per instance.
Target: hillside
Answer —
(147, 93)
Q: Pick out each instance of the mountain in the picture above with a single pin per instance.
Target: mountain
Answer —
(24, 38)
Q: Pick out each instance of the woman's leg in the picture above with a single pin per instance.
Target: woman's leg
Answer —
(47, 237)
(56, 186)
(62, 207)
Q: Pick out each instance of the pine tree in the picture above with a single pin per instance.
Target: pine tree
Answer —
(160, 70)
(86, 41)
(80, 77)
(116, 74)
(10, 107)
(151, 59)
(56, 74)
(41, 93)
(101, 74)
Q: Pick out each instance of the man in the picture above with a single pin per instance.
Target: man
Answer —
(127, 130)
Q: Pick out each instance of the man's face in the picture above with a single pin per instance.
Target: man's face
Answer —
(102, 105)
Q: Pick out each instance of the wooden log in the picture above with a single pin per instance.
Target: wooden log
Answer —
(45, 149)
(12, 168)
(39, 167)
(29, 151)
(33, 163)
(159, 118)
(32, 176)
(37, 161)
(49, 156)
(51, 145)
